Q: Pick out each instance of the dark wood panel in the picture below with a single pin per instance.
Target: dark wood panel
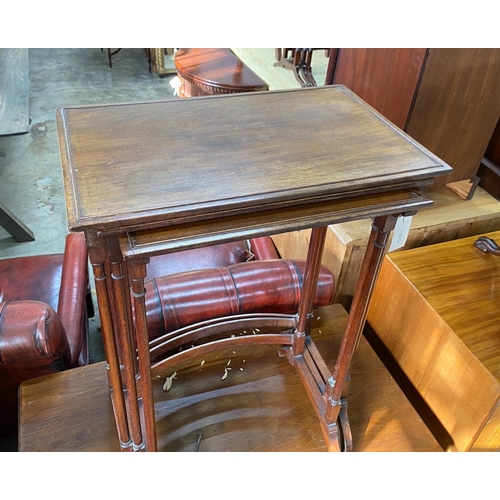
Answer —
(457, 107)
(385, 78)
(489, 170)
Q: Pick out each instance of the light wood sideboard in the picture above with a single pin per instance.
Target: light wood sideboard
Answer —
(436, 312)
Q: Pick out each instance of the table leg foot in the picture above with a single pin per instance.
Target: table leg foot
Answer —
(345, 427)
(333, 417)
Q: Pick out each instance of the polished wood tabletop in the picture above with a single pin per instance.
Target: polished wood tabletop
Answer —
(187, 158)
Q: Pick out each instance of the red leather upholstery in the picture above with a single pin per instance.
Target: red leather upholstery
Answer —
(260, 286)
(263, 248)
(199, 258)
(32, 337)
(233, 278)
(210, 257)
(43, 320)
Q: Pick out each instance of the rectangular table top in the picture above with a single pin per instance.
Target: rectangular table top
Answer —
(188, 158)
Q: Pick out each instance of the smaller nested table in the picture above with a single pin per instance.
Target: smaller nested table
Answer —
(143, 179)
(71, 410)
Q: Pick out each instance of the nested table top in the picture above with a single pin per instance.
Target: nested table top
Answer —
(188, 159)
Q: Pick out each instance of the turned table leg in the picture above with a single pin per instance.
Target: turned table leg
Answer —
(336, 407)
(137, 269)
(97, 255)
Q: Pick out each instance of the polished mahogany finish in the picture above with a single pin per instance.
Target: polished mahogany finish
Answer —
(44, 308)
(214, 71)
(386, 79)
(457, 107)
(150, 178)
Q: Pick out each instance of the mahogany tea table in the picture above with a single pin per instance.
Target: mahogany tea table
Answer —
(142, 179)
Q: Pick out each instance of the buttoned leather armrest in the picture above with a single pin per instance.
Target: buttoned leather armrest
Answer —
(72, 306)
(267, 286)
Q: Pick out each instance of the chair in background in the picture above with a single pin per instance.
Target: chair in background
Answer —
(45, 303)
(299, 61)
(111, 53)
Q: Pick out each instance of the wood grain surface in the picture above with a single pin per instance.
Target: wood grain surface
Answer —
(387, 79)
(435, 308)
(457, 107)
(186, 156)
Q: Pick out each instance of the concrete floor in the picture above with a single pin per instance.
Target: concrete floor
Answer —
(30, 172)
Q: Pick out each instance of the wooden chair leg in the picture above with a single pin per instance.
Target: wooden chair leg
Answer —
(110, 55)
(148, 56)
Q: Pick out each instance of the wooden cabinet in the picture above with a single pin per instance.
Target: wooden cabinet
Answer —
(446, 99)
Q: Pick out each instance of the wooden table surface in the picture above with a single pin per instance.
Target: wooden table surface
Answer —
(436, 311)
(198, 157)
(249, 410)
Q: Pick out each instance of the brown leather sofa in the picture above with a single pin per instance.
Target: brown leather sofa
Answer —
(234, 278)
(44, 307)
